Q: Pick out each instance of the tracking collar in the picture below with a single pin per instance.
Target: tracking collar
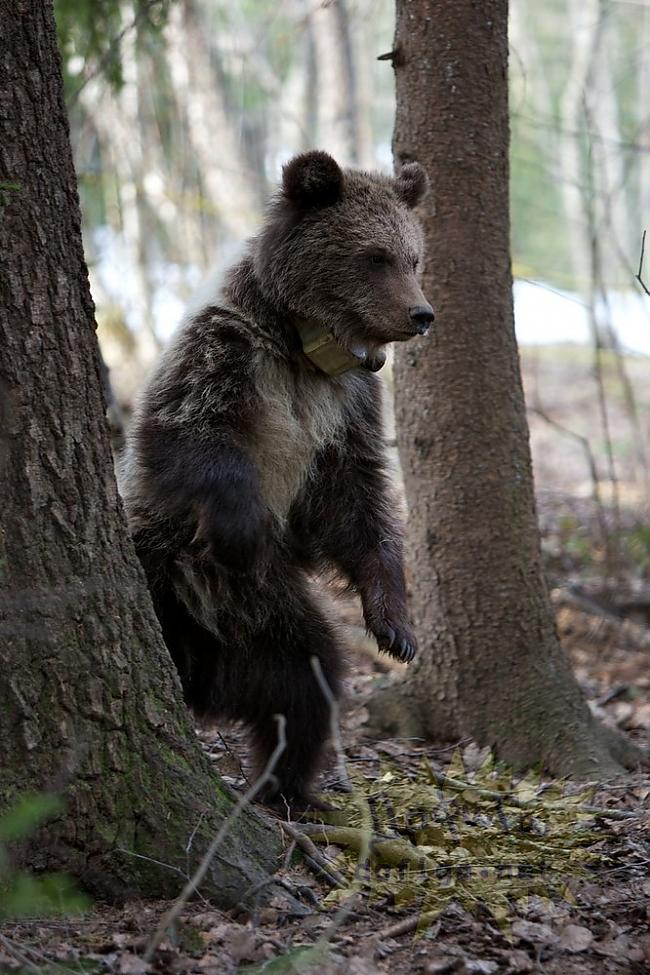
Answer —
(328, 355)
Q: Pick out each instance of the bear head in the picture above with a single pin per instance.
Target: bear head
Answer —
(342, 249)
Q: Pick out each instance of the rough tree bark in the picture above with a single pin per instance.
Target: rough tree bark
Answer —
(90, 704)
(490, 665)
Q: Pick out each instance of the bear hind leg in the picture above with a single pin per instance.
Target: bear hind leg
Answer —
(287, 684)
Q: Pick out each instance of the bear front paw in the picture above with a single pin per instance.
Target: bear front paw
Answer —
(394, 638)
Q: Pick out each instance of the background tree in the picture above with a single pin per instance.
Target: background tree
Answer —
(490, 665)
(90, 705)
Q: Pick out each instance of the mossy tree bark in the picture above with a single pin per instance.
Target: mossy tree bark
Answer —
(490, 665)
(90, 704)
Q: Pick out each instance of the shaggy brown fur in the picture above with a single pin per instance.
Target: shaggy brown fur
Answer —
(248, 469)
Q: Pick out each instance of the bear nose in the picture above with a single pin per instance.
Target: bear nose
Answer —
(422, 317)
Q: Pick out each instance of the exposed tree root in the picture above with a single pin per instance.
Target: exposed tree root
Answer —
(583, 749)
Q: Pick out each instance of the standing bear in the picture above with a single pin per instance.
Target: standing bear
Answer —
(256, 459)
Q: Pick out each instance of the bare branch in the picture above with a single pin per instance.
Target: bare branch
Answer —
(639, 273)
(335, 731)
(591, 462)
(366, 830)
(194, 881)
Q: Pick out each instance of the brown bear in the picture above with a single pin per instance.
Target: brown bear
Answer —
(256, 458)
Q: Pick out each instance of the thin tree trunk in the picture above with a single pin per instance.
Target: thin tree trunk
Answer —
(227, 179)
(115, 117)
(170, 210)
(643, 120)
(586, 28)
(611, 164)
(341, 127)
(535, 88)
(490, 665)
(310, 98)
(90, 705)
(354, 120)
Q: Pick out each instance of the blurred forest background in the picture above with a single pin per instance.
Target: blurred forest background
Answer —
(183, 113)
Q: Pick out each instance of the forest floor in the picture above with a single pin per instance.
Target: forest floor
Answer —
(513, 875)
(508, 875)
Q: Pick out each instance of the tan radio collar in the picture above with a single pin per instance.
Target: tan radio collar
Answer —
(327, 354)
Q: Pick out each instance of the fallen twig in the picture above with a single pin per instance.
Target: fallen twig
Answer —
(14, 952)
(632, 633)
(407, 925)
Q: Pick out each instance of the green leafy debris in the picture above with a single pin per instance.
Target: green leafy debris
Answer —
(26, 815)
(25, 894)
(489, 843)
(301, 960)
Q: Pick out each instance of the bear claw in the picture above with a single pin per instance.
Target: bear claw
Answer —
(406, 651)
(399, 646)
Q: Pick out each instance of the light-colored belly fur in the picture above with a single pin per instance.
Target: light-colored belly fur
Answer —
(301, 414)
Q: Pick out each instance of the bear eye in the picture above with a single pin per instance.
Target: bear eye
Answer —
(379, 259)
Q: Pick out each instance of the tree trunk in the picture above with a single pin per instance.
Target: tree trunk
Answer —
(310, 98)
(90, 704)
(643, 119)
(116, 119)
(227, 179)
(355, 121)
(490, 665)
(585, 30)
(341, 127)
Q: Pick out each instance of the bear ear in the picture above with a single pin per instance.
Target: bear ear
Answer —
(412, 184)
(312, 180)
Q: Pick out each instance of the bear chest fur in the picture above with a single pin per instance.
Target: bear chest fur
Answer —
(300, 414)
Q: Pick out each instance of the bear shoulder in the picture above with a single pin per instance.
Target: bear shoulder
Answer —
(207, 370)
